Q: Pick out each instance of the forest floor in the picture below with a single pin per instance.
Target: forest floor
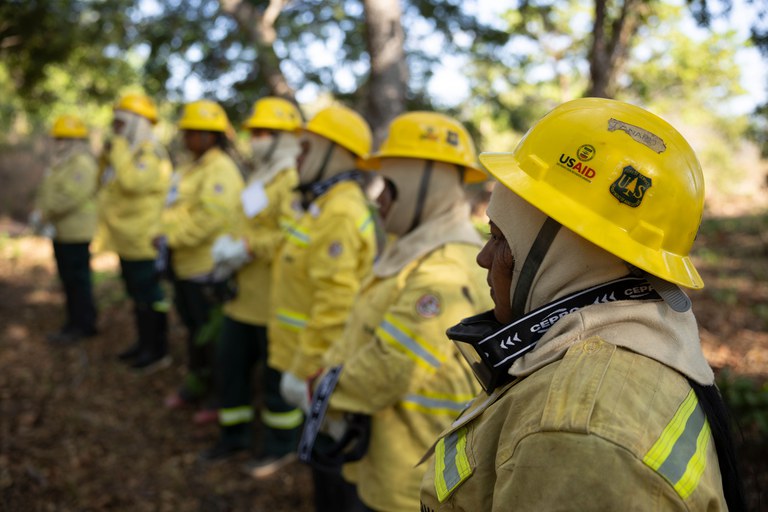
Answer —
(81, 432)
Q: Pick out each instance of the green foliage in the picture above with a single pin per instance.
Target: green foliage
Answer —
(669, 63)
(747, 400)
(84, 36)
(60, 56)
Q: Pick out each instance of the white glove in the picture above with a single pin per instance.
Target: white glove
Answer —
(334, 425)
(229, 254)
(35, 220)
(295, 391)
(48, 231)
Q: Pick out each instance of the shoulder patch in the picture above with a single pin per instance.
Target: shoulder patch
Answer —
(335, 249)
(428, 305)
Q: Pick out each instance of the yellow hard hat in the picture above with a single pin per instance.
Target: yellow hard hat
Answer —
(431, 136)
(69, 127)
(343, 126)
(617, 175)
(274, 113)
(204, 115)
(138, 104)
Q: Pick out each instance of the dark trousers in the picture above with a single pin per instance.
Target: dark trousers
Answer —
(141, 281)
(241, 348)
(73, 261)
(332, 492)
(200, 310)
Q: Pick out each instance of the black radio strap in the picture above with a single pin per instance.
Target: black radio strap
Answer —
(320, 400)
(509, 343)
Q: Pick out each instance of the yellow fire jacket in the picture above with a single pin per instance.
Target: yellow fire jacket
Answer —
(400, 368)
(66, 198)
(203, 203)
(316, 275)
(263, 235)
(133, 189)
(602, 428)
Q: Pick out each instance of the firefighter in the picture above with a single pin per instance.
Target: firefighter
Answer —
(329, 248)
(135, 176)
(274, 128)
(66, 212)
(201, 205)
(398, 367)
(597, 394)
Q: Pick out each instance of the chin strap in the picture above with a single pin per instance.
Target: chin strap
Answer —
(422, 194)
(314, 190)
(532, 263)
(272, 147)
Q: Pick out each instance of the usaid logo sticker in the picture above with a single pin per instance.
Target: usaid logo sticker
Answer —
(430, 134)
(586, 152)
(630, 187)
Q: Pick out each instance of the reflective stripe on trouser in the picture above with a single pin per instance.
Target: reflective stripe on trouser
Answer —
(240, 348)
(282, 421)
(680, 452)
(451, 463)
(235, 415)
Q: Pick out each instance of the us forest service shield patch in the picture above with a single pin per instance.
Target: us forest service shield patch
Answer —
(630, 187)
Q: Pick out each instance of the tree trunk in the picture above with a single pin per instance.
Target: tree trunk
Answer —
(260, 27)
(389, 74)
(611, 43)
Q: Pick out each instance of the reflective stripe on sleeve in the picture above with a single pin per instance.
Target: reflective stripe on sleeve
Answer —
(680, 452)
(437, 404)
(282, 420)
(366, 224)
(451, 463)
(407, 342)
(290, 320)
(235, 415)
(295, 234)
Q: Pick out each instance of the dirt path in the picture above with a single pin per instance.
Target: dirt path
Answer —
(79, 431)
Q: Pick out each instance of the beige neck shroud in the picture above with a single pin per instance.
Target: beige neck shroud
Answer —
(572, 264)
(283, 157)
(312, 169)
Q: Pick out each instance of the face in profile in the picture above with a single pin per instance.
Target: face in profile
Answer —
(496, 257)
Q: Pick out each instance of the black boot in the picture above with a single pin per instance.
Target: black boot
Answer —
(153, 353)
(130, 353)
(233, 439)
